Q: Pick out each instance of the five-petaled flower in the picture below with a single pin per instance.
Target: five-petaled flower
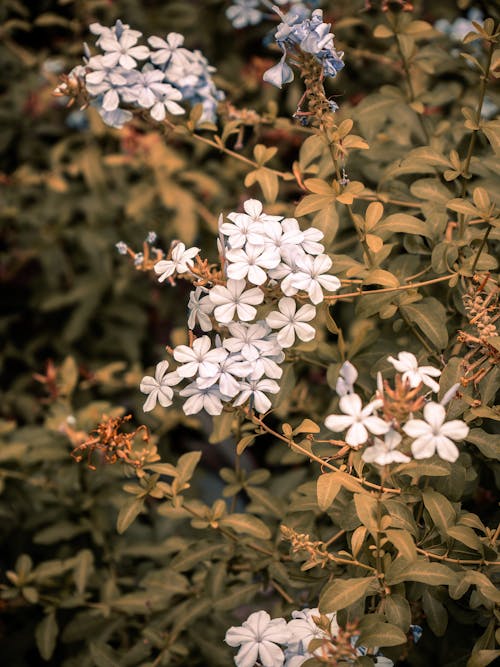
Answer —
(435, 434)
(234, 299)
(181, 261)
(407, 364)
(292, 322)
(259, 637)
(386, 451)
(159, 387)
(358, 419)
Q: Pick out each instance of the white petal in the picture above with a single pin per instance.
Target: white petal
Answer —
(356, 435)
(416, 428)
(247, 655)
(351, 404)
(338, 423)
(376, 425)
(434, 415)
(456, 429)
(304, 331)
(225, 313)
(423, 447)
(446, 449)
(150, 402)
(245, 313)
(286, 337)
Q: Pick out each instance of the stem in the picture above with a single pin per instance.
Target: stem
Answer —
(336, 297)
(411, 90)
(460, 561)
(480, 249)
(473, 136)
(313, 457)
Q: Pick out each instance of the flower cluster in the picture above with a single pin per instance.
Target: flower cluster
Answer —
(243, 13)
(274, 642)
(430, 435)
(297, 35)
(267, 261)
(157, 78)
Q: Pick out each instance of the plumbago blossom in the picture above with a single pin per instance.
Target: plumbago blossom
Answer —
(300, 34)
(276, 643)
(244, 13)
(425, 437)
(250, 310)
(126, 74)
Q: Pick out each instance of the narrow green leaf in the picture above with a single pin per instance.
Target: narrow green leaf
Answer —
(381, 634)
(433, 574)
(435, 612)
(247, 524)
(343, 592)
(46, 634)
(402, 222)
(129, 511)
(440, 509)
(102, 655)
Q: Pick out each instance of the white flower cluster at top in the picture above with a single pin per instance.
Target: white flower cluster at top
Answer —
(169, 73)
(265, 259)
(260, 639)
(431, 435)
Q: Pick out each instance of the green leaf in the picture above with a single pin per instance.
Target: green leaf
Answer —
(467, 536)
(246, 524)
(440, 509)
(327, 488)
(102, 655)
(83, 568)
(312, 203)
(433, 574)
(307, 426)
(195, 554)
(186, 466)
(236, 596)
(404, 543)
(435, 612)
(46, 634)
(429, 315)
(485, 442)
(129, 511)
(381, 634)
(341, 593)
(366, 509)
(483, 657)
(397, 611)
(402, 222)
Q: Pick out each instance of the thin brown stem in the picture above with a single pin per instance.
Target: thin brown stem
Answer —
(336, 297)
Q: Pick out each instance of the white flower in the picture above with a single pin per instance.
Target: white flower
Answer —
(243, 224)
(159, 387)
(259, 637)
(200, 307)
(148, 88)
(234, 366)
(250, 263)
(208, 399)
(243, 13)
(434, 434)
(385, 451)
(199, 358)
(357, 419)
(121, 50)
(166, 102)
(311, 244)
(407, 364)
(181, 261)
(276, 238)
(347, 377)
(292, 323)
(303, 630)
(254, 390)
(249, 339)
(234, 299)
(312, 276)
(169, 51)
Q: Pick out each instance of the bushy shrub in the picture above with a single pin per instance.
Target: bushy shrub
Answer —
(303, 240)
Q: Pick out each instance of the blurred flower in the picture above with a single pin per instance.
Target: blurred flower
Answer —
(347, 377)
(385, 451)
(181, 261)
